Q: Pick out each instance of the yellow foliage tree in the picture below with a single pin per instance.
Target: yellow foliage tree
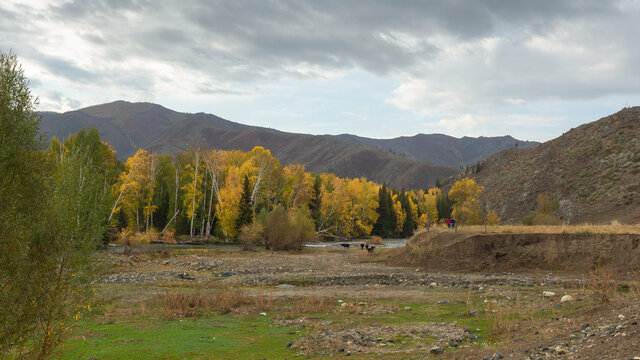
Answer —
(428, 208)
(230, 194)
(133, 187)
(467, 209)
(400, 214)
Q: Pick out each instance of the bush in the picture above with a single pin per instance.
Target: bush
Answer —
(288, 232)
(169, 237)
(540, 219)
(302, 228)
(603, 283)
(374, 240)
(250, 235)
(129, 239)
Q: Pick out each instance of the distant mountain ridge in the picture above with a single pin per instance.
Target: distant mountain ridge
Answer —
(398, 162)
(593, 171)
(440, 149)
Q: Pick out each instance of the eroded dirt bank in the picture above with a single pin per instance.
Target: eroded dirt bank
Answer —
(577, 253)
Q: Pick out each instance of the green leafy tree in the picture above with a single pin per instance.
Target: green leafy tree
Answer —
(50, 221)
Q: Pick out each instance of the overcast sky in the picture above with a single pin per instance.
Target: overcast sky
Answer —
(531, 69)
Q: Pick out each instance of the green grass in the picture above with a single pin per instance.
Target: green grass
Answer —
(216, 337)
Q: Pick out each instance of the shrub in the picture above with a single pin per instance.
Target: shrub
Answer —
(374, 240)
(129, 239)
(283, 231)
(169, 237)
(603, 283)
(534, 218)
(250, 235)
(302, 228)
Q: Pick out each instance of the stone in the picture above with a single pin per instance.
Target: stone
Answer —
(620, 317)
(341, 350)
(559, 350)
(567, 298)
(548, 294)
(436, 349)
(227, 273)
(433, 284)
(407, 308)
(263, 314)
(497, 356)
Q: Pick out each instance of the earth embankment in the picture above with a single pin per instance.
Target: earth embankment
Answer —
(575, 252)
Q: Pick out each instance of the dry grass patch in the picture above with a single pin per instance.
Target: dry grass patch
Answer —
(308, 305)
(603, 284)
(177, 304)
(613, 228)
(501, 319)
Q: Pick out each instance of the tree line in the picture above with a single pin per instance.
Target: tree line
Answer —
(213, 193)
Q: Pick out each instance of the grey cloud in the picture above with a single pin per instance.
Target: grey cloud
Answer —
(250, 42)
(73, 10)
(66, 69)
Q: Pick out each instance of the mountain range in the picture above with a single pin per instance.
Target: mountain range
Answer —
(412, 162)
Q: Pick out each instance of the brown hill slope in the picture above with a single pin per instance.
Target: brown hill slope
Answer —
(129, 126)
(317, 153)
(593, 170)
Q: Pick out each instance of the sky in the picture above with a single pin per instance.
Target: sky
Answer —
(530, 69)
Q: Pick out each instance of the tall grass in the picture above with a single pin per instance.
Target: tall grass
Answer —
(193, 304)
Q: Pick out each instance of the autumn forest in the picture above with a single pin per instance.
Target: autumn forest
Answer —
(200, 192)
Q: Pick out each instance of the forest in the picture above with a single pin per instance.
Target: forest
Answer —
(213, 193)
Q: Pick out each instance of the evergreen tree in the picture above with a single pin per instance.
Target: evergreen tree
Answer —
(391, 221)
(316, 200)
(386, 223)
(379, 226)
(409, 224)
(245, 208)
(444, 205)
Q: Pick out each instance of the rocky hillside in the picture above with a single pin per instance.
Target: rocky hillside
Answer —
(129, 126)
(593, 171)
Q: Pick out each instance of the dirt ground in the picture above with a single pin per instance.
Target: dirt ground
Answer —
(594, 331)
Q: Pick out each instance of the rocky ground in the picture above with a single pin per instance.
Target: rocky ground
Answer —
(608, 331)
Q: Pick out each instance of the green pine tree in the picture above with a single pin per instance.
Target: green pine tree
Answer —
(316, 200)
(245, 211)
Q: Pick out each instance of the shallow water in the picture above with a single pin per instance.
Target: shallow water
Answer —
(355, 244)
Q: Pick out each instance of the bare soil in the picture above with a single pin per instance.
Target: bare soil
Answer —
(593, 331)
